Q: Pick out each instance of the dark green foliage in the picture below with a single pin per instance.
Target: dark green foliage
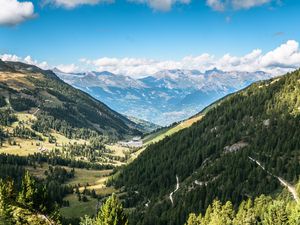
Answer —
(7, 117)
(29, 205)
(2, 136)
(22, 104)
(13, 167)
(24, 132)
(53, 160)
(265, 116)
(263, 210)
(2, 101)
(60, 174)
(110, 213)
(58, 95)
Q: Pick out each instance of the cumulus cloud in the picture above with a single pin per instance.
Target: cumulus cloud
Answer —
(70, 4)
(221, 5)
(68, 68)
(287, 56)
(13, 12)
(161, 5)
(27, 59)
(278, 61)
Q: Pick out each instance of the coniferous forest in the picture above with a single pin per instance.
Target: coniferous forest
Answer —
(239, 164)
(212, 158)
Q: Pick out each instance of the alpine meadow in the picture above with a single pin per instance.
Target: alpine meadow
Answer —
(149, 112)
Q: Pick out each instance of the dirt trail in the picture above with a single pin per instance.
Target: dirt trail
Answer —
(283, 182)
(36, 112)
(176, 189)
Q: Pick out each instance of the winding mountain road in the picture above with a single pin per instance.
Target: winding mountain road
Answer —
(283, 182)
(176, 189)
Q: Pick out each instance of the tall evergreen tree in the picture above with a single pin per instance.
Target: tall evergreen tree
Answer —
(29, 191)
(4, 205)
(112, 213)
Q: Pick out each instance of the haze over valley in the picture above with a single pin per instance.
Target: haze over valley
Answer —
(163, 98)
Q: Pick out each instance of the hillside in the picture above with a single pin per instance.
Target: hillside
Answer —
(57, 105)
(143, 125)
(161, 133)
(213, 158)
(65, 139)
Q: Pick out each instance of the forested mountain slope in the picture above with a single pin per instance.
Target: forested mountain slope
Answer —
(57, 105)
(211, 158)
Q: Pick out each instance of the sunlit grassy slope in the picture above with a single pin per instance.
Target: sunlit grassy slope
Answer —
(158, 136)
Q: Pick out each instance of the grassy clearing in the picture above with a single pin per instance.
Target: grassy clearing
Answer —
(84, 176)
(117, 150)
(24, 147)
(95, 179)
(38, 171)
(17, 80)
(79, 208)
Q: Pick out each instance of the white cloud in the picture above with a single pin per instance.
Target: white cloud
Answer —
(70, 4)
(280, 60)
(246, 4)
(161, 5)
(67, 68)
(9, 57)
(27, 59)
(287, 56)
(70, 68)
(221, 5)
(218, 5)
(13, 12)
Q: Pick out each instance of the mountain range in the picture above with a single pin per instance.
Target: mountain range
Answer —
(165, 97)
(58, 105)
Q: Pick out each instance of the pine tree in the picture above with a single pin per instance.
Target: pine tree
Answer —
(227, 213)
(294, 218)
(2, 136)
(112, 213)
(4, 205)
(245, 214)
(29, 191)
(194, 220)
(276, 214)
(86, 220)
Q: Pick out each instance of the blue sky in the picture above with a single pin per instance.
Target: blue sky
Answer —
(62, 35)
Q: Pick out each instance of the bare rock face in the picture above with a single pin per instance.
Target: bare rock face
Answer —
(266, 122)
(235, 147)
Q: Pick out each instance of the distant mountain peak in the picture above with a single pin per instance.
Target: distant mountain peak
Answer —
(212, 71)
(56, 70)
(104, 73)
(178, 92)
